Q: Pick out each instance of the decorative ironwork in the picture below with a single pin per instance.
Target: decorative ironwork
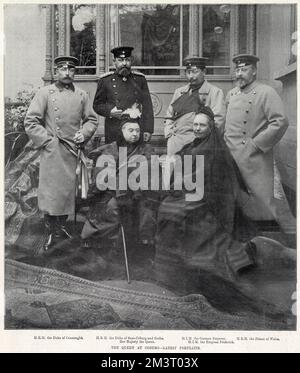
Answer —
(62, 29)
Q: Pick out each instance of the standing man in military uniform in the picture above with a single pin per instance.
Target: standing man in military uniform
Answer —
(59, 120)
(188, 96)
(255, 123)
(121, 90)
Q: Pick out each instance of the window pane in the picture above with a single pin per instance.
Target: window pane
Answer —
(153, 30)
(216, 37)
(83, 37)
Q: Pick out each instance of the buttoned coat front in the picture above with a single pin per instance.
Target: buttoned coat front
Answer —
(255, 122)
(54, 116)
(114, 90)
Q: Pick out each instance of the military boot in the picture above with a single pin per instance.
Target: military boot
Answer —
(61, 226)
(50, 226)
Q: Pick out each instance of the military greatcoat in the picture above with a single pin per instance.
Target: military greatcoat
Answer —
(115, 90)
(255, 122)
(54, 116)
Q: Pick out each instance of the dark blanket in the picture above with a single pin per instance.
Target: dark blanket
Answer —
(198, 235)
(135, 209)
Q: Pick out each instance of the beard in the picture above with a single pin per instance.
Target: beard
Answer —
(241, 83)
(124, 71)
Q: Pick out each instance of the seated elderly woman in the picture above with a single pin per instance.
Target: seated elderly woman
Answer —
(196, 233)
(120, 193)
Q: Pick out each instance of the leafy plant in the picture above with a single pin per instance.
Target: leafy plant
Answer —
(15, 111)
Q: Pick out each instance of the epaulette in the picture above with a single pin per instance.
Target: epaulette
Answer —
(106, 74)
(138, 73)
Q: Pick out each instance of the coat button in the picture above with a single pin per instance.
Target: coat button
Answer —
(115, 93)
(56, 119)
(244, 121)
(53, 99)
(58, 128)
(247, 111)
(114, 85)
(244, 132)
(250, 102)
(243, 142)
(56, 108)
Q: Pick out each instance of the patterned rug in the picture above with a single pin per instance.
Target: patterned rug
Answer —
(39, 297)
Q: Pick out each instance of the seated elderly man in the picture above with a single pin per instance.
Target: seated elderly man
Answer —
(197, 233)
(120, 197)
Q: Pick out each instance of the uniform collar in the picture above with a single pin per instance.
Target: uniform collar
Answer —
(62, 86)
(121, 77)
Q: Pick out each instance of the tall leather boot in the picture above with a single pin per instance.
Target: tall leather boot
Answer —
(61, 226)
(50, 226)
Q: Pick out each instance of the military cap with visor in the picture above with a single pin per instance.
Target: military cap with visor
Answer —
(67, 61)
(241, 60)
(122, 52)
(195, 62)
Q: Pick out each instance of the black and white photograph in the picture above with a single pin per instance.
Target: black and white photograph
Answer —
(150, 173)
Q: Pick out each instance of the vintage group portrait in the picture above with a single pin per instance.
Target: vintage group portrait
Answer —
(150, 167)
